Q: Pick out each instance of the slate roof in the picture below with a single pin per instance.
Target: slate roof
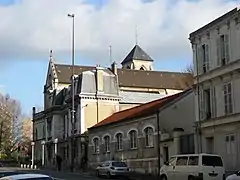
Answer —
(139, 111)
(138, 54)
(134, 78)
(139, 97)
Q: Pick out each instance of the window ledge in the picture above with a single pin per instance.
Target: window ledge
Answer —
(119, 150)
(135, 148)
(147, 147)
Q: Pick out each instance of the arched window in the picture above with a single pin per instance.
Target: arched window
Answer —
(96, 145)
(119, 145)
(133, 139)
(148, 136)
(107, 143)
(142, 68)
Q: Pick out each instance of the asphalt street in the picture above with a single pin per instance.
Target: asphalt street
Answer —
(56, 175)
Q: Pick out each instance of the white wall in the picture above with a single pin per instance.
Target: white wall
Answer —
(234, 43)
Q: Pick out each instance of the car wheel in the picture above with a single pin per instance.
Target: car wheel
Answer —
(164, 177)
(108, 175)
(190, 178)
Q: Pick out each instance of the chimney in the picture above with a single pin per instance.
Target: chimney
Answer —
(99, 78)
(114, 68)
(33, 112)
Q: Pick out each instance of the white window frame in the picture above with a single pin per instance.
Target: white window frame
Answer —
(228, 106)
(149, 136)
(119, 138)
(205, 58)
(107, 143)
(213, 102)
(223, 50)
(230, 144)
(133, 139)
(96, 145)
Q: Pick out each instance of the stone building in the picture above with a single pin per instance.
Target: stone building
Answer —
(146, 135)
(99, 92)
(217, 78)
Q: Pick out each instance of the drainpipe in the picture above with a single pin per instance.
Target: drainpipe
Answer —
(158, 143)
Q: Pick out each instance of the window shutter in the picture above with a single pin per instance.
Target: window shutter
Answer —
(218, 52)
(226, 42)
(207, 61)
(213, 102)
(201, 103)
(199, 60)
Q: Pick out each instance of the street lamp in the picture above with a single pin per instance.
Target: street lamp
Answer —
(73, 93)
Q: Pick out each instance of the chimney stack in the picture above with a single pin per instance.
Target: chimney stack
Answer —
(114, 67)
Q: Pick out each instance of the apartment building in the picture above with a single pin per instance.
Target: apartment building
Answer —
(216, 58)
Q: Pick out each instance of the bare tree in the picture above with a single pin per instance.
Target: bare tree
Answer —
(189, 69)
(27, 131)
(10, 124)
(189, 79)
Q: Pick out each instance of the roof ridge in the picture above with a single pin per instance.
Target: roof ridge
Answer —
(147, 106)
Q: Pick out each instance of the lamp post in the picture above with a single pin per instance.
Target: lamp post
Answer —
(73, 94)
(32, 144)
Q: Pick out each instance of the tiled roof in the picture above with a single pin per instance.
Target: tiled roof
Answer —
(138, 54)
(135, 78)
(139, 97)
(138, 111)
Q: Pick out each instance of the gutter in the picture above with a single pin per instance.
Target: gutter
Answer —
(158, 142)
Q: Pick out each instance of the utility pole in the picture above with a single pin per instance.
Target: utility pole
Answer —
(73, 122)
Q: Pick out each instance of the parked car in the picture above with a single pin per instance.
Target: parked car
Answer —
(113, 168)
(193, 166)
(235, 176)
(9, 173)
(27, 177)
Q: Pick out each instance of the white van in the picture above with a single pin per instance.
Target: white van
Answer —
(193, 167)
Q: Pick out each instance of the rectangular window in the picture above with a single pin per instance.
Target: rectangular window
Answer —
(230, 144)
(227, 94)
(205, 58)
(212, 161)
(207, 103)
(223, 56)
(213, 102)
(182, 161)
(193, 161)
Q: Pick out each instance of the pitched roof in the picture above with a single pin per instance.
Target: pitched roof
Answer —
(134, 78)
(138, 54)
(139, 111)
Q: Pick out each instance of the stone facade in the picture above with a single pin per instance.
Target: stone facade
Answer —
(136, 140)
(217, 63)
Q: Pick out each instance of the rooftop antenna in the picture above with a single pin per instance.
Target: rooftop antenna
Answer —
(110, 54)
(136, 35)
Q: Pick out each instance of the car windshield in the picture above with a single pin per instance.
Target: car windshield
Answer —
(212, 161)
(119, 164)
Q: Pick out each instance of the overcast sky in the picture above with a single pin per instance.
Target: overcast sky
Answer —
(29, 29)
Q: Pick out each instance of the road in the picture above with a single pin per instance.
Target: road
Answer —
(56, 175)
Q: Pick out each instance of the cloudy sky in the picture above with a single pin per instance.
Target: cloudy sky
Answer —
(29, 29)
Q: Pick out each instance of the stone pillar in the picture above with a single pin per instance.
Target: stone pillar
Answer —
(177, 132)
(32, 144)
(43, 153)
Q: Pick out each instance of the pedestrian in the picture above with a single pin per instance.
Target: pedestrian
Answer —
(59, 162)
